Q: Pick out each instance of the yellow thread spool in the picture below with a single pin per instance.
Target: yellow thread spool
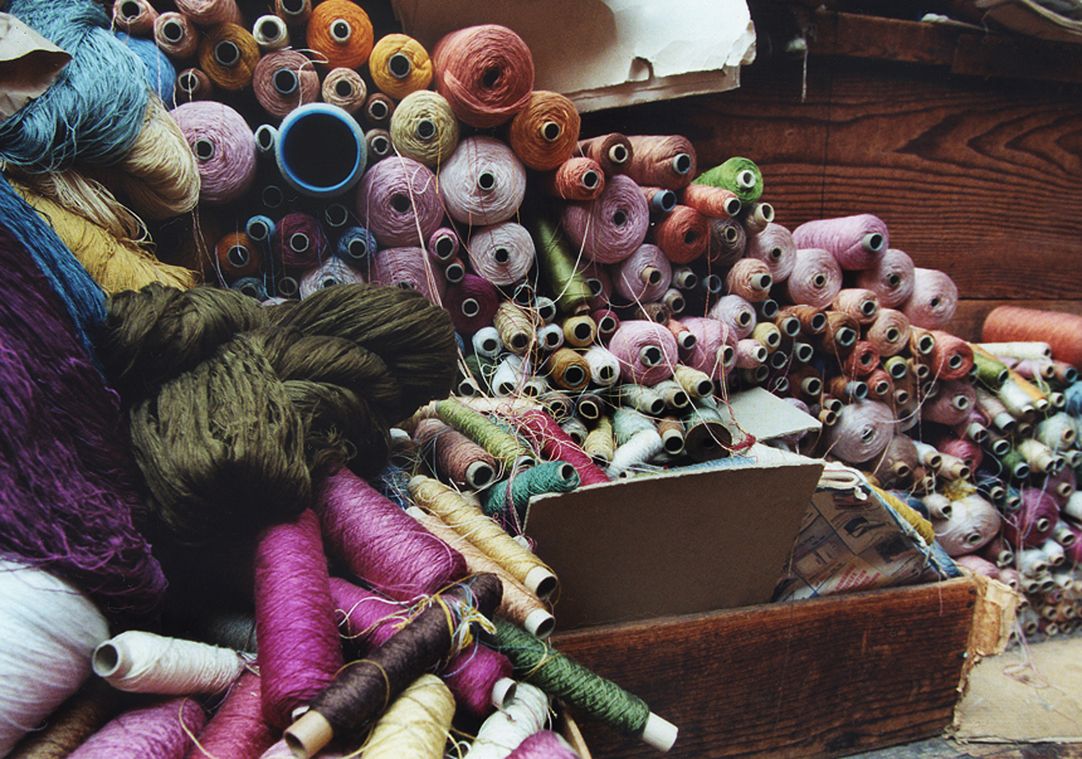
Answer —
(400, 65)
(515, 327)
(416, 724)
(579, 331)
(568, 370)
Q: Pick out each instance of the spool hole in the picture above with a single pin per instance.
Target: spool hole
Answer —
(519, 341)
(934, 302)
(1043, 525)
(713, 284)
(470, 307)
(173, 31)
(676, 303)
(454, 272)
(582, 331)
(926, 343)
(881, 388)
(130, 10)
(589, 409)
(272, 196)
(743, 318)
(875, 242)
(381, 146)
(501, 255)
(106, 660)
(328, 282)
(682, 163)
(294, 7)
(378, 110)
(804, 353)
(652, 355)
(619, 218)
(674, 444)
(336, 215)
(340, 30)
(489, 345)
(618, 153)
(238, 256)
(357, 247)
(607, 324)
(590, 179)
(188, 82)
(343, 88)
(490, 77)
(320, 149)
(955, 361)
(812, 386)
(445, 246)
(731, 233)
(892, 334)
(666, 199)
(299, 242)
(763, 282)
(868, 308)
(596, 288)
(227, 53)
(746, 179)
(690, 237)
(287, 287)
(426, 129)
(250, 290)
(846, 336)
(270, 30)
(551, 131)
(819, 280)
(286, 81)
(775, 253)
(486, 180)
(204, 149)
(399, 65)
(728, 355)
(400, 203)
(264, 138)
(258, 231)
(653, 277)
(901, 396)
(732, 206)
(894, 279)
(866, 359)
(575, 375)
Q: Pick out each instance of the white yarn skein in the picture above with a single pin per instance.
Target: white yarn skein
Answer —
(504, 730)
(142, 662)
(49, 630)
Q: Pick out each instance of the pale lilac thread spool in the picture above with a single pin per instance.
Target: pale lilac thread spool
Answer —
(934, 299)
(611, 228)
(398, 202)
(224, 148)
(503, 253)
(854, 241)
(972, 524)
(482, 182)
(644, 276)
(444, 243)
(952, 404)
(333, 271)
(736, 313)
(862, 432)
(891, 278)
(775, 247)
(1034, 522)
(285, 80)
(647, 351)
(714, 351)
(816, 278)
(383, 545)
(407, 267)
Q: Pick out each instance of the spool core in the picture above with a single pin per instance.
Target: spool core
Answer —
(618, 154)
(589, 179)
(238, 256)
(501, 255)
(299, 242)
(287, 287)
(188, 82)
(270, 30)
(341, 30)
(681, 163)
(343, 88)
(204, 149)
(377, 110)
(227, 53)
(445, 247)
(746, 179)
(358, 248)
(804, 352)
(819, 280)
(619, 218)
(293, 7)
(873, 242)
(286, 81)
(486, 180)
(130, 10)
(651, 355)
(258, 231)
(399, 65)
(575, 375)
(265, 137)
(470, 307)
(551, 131)
(454, 272)
(381, 146)
(335, 215)
(173, 31)
(426, 129)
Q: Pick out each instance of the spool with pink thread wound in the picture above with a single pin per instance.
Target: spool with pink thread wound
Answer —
(714, 351)
(891, 278)
(856, 242)
(775, 247)
(398, 202)
(816, 278)
(647, 352)
(612, 227)
(644, 276)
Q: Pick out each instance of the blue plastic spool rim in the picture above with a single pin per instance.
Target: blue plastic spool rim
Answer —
(296, 117)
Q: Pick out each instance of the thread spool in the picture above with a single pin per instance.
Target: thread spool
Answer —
(423, 128)
(812, 320)
(503, 446)
(707, 434)
(192, 84)
(889, 333)
(647, 352)
(416, 724)
(972, 523)
(505, 730)
(749, 278)
(407, 268)
(736, 313)
(577, 178)
(176, 36)
(667, 161)
(224, 148)
(544, 744)
(739, 175)
(355, 245)
(891, 278)
(321, 151)
(579, 331)
(237, 256)
(1034, 522)
(398, 202)
(728, 241)
(300, 241)
(816, 278)
(295, 12)
(855, 242)
(612, 151)
(285, 80)
(644, 276)
(136, 17)
(472, 303)
(713, 202)
(400, 65)
(898, 462)
(934, 299)
(228, 54)
(611, 228)
(1010, 323)
(486, 72)
(271, 33)
(346, 89)
(862, 432)
(862, 305)
(379, 144)
(340, 32)
(951, 357)
(544, 134)
(841, 333)
(163, 729)
(568, 370)
(508, 501)
(483, 182)
(503, 253)
(555, 445)
(142, 662)
(684, 234)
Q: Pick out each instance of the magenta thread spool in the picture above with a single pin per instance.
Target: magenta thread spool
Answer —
(300, 241)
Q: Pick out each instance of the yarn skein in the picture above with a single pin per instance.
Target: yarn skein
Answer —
(486, 73)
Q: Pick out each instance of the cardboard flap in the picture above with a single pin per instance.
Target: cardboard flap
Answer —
(766, 416)
(29, 64)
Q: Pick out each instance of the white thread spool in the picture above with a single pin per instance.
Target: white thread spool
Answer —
(1032, 563)
(49, 631)
(486, 342)
(504, 730)
(1054, 552)
(510, 375)
(142, 662)
(640, 448)
(972, 524)
(271, 33)
(1018, 350)
(550, 337)
(604, 366)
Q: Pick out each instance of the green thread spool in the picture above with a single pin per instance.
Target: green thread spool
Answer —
(481, 369)
(516, 491)
(600, 444)
(991, 371)
(627, 421)
(641, 398)
(738, 175)
(539, 664)
(565, 282)
(503, 446)
(706, 434)
(1014, 463)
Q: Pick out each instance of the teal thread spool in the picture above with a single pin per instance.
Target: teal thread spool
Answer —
(627, 421)
(641, 398)
(516, 492)
(540, 664)
(503, 446)
(738, 175)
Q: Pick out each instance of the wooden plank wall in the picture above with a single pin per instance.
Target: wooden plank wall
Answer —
(980, 177)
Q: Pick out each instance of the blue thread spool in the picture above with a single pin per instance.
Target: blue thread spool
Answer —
(260, 229)
(321, 150)
(355, 245)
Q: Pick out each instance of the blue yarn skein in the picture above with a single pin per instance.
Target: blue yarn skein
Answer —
(94, 111)
(161, 75)
(80, 294)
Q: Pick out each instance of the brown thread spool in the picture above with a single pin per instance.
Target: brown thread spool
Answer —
(951, 357)
(237, 256)
(715, 202)
(806, 382)
(862, 359)
(841, 333)
(862, 305)
(228, 54)
(757, 217)
(683, 235)
(662, 160)
(672, 435)
(880, 385)
(750, 278)
(176, 36)
(590, 406)
(136, 17)
(655, 312)
(346, 89)
(577, 178)
(454, 455)
(546, 132)
(294, 12)
(612, 151)
(192, 85)
(788, 324)
(377, 111)
(568, 370)
(579, 331)
(515, 327)
(812, 320)
(842, 386)
(283, 81)
(727, 243)
(379, 144)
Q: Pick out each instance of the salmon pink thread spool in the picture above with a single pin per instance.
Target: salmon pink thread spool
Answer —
(577, 178)
(644, 276)
(684, 234)
(891, 278)
(485, 72)
(667, 161)
(750, 278)
(613, 151)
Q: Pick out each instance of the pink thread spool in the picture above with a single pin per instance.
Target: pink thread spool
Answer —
(444, 243)
(408, 268)
(175, 34)
(472, 303)
(224, 148)
(483, 182)
(978, 566)
(381, 544)
(285, 80)
(728, 242)
(855, 242)
(644, 276)
(368, 619)
(554, 444)
(543, 745)
(750, 354)
(577, 178)
(862, 360)
(1034, 522)
(647, 352)
(816, 279)
(934, 299)
(966, 450)
(714, 351)
(861, 304)
(237, 728)
(774, 246)
(889, 333)
(735, 313)
(398, 202)
(750, 279)
(863, 431)
(299, 652)
(952, 404)
(164, 729)
(211, 12)
(503, 253)
(891, 278)
(611, 228)
(971, 525)
(300, 241)
(136, 17)
(667, 161)
(607, 322)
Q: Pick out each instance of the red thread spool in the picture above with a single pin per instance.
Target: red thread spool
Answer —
(612, 151)
(556, 445)
(472, 303)
(576, 179)
(486, 73)
(683, 235)
(862, 360)
(237, 728)
(300, 241)
(1063, 332)
(238, 256)
(341, 32)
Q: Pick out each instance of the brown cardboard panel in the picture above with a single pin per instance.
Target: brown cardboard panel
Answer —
(675, 543)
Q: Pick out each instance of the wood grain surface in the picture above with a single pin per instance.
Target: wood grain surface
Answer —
(811, 678)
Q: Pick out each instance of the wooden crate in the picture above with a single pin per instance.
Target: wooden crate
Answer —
(813, 678)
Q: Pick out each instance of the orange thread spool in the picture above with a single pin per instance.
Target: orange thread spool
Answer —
(341, 32)
(750, 278)
(228, 55)
(486, 73)
(841, 332)
(862, 360)
(663, 160)
(1063, 332)
(545, 133)
(861, 304)
(576, 179)
(400, 65)
(613, 151)
(237, 256)
(812, 320)
(683, 235)
(715, 202)
(881, 386)
(951, 358)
